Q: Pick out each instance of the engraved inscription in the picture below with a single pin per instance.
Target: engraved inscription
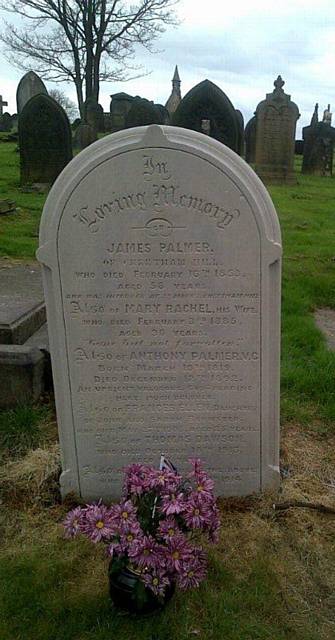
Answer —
(162, 312)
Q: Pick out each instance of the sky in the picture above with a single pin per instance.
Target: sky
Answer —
(240, 46)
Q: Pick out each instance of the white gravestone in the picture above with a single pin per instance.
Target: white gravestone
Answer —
(161, 262)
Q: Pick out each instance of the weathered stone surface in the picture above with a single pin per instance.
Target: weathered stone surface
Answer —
(6, 122)
(19, 278)
(208, 110)
(161, 265)
(143, 112)
(318, 149)
(275, 136)
(19, 318)
(325, 321)
(29, 86)
(119, 108)
(165, 116)
(45, 140)
(250, 140)
(7, 206)
(21, 375)
(94, 115)
(84, 135)
(40, 340)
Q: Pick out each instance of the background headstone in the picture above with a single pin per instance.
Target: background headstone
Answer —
(161, 266)
(275, 136)
(83, 136)
(250, 140)
(94, 115)
(299, 147)
(119, 107)
(240, 122)
(165, 116)
(142, 112)
(6, 122)
(208, 110)
(318, 147)
(29, 86)
(45, 140)
(3, 103)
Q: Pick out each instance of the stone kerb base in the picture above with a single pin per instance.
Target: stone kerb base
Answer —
(21, 375)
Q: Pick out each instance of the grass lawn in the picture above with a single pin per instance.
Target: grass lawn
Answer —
(273, 574)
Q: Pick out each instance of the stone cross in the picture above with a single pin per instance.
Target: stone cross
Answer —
(2, 104)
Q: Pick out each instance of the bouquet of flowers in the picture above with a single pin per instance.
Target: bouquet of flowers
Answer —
(155, 530)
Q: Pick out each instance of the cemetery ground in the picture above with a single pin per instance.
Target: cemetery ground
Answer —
(272, 575)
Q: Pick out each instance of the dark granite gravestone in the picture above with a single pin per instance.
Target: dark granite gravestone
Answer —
(319, 140)
(75, 124)
(307, 131)
(119, 107)
(6, 122)
(208, 110)
(299, 147)
(94, 115)
(142, 113)
(250, 140)
(240, 121)
(29, 86)
(45, 140)
(275, 136)
(166, 119)
(319, 150)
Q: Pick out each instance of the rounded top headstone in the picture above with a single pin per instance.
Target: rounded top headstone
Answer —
(163, 306)
(206, 101)
(30, 85)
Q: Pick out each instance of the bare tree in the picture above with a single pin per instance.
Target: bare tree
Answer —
(83, 41)
(65, 102)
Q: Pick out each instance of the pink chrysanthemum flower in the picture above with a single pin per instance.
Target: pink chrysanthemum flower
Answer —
(129, 538)
(73, 522)
(124, 516)
(191, 574)
(99, 524)
(168, 528)
(172, 503)
(146, 553)
(177, 551)
(156, 581)
(164, 480)
(197, 514)
(136, 479)
(204, 485)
